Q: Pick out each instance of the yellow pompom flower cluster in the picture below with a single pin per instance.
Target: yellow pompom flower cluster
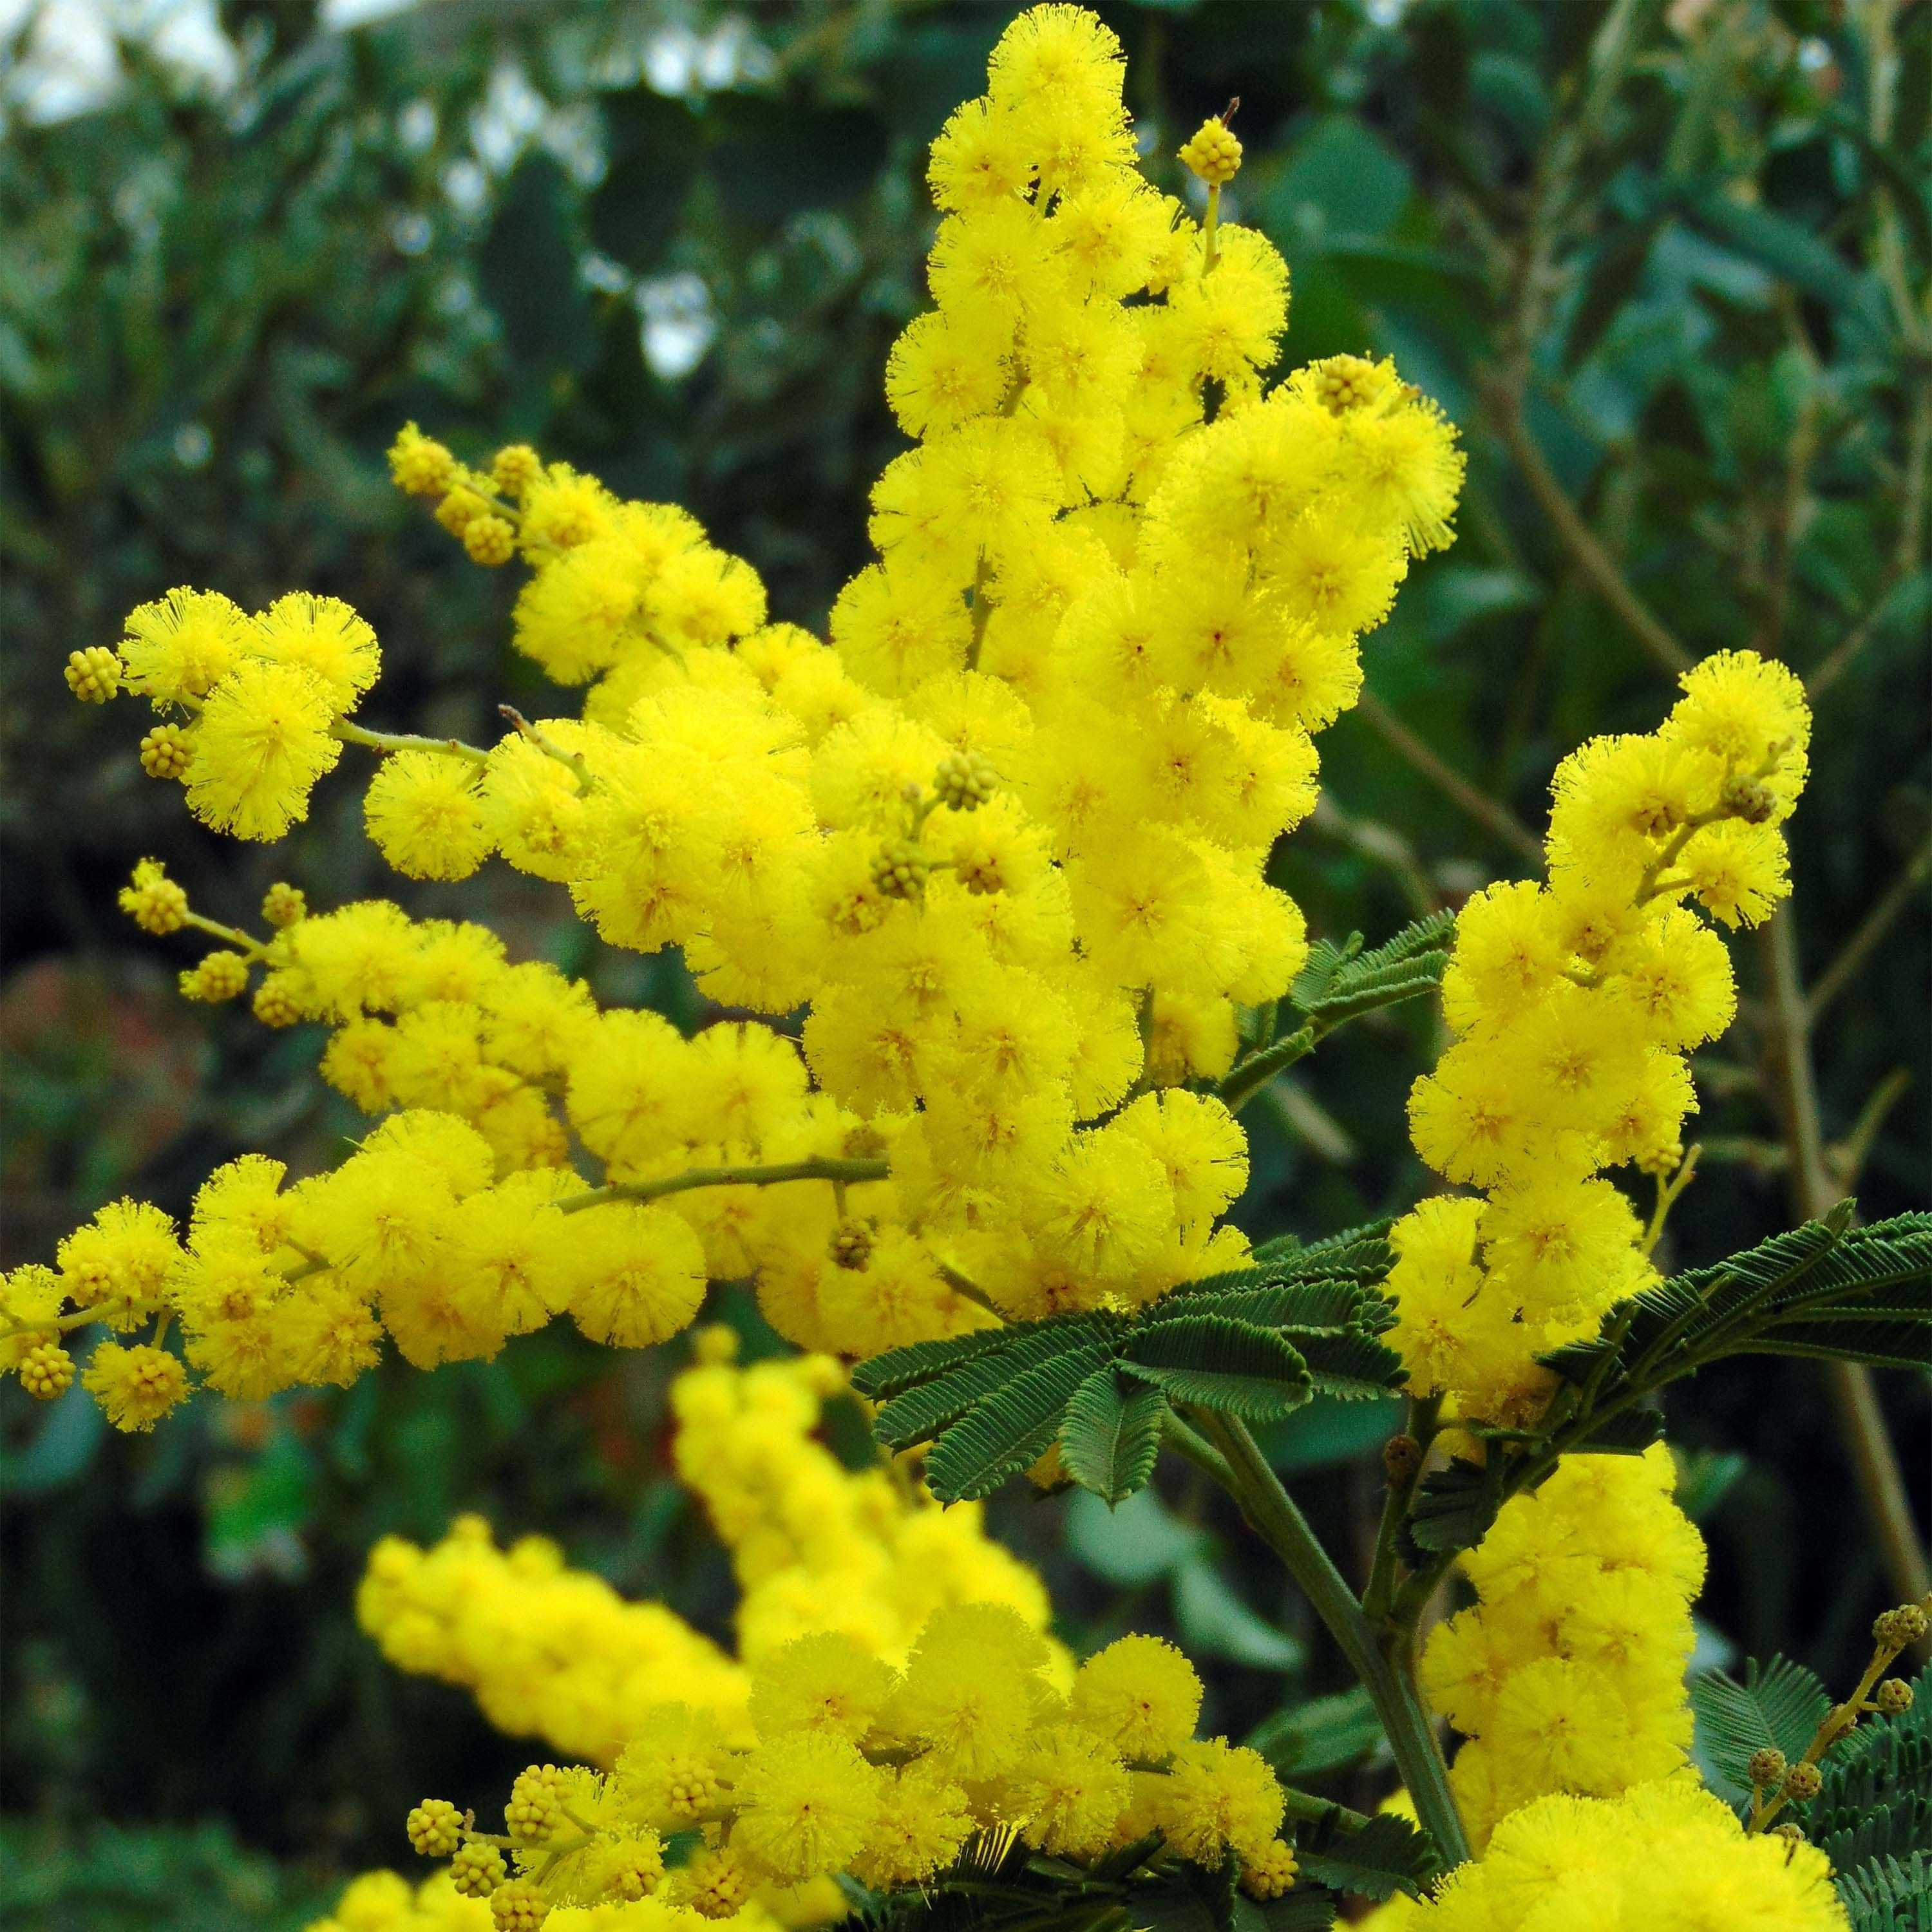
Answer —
(1663, 1854)
(1574, 1003)
(895, 1692)
(1567, 1674)
(1004, 838)
(554, 1653)
(384, 1901)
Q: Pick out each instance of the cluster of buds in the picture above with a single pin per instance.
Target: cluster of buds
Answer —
(476, 507)
(1776, 1783)
(963, 782)
(544, 1837)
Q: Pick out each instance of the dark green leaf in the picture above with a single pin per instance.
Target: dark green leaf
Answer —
(1110, 1435)
(1320, 1735)
(1356, 1368)
(1308, 1908)
(900, 1369)
(922, 1411)
(1347, 982)
(1214, 1620)
(1231, 1366)
(1612, 279)
(1895, 1895)
(1010, 1428)
(1387, 1855)
(1629, 1431)
(1454, 1508)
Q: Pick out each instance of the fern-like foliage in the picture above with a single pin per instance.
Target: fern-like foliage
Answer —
(1256, 1342)
(998, 1885)
(1828, 1289)
(1340, 982)
(1892, 1895)
(1779, 1705)
(1872, 1816)
(1377, 1860)
(1874, 1808)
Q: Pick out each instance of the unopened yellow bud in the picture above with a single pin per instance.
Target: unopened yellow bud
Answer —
(1345, 383)
(719, 1883)
(459, 509)
(284, 904)
(1897, 1628)
(1213, 152)
(636, 1867)
(1767, 1766)
(536, 1808)
(515, 468)
(489, 541)
(165, 751)
(1801, 1782)
(965, 780)
(153, 901)
(435, 1828)
(419, 464)
(1747, 799)
(273, 1005)
(518, 1907)
(900, 868)
(715, 1343)
(476, 1869)
(1270, 1872)
(1893, 1697)
(221, 976)
(94, 675)
(47, 1370)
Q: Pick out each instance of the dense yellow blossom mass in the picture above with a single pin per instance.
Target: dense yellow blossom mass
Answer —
(1003, 841)
(894, 1692)
(987, 868)
(1567, 1674)
(1574, 1004)
(1663, 1854)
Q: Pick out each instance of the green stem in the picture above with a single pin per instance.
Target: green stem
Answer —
(1419, 1422)
(1306, 1806)
(1258, 1069)
(1210, 221)
(406, 741)
(819, 1167)
(1272, 1514)
(982, 610)
(251, 948)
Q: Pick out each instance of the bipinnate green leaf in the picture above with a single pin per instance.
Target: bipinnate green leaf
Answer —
(1011, 1429)
(1779, 1704)
(1454, 1506)
(1891, 1895)
(1386, 1856)
(1257, 1342)
(1219, 1363)
(1340, 982)
(1827, 1289)
(1110, 1434)
(921, 1411)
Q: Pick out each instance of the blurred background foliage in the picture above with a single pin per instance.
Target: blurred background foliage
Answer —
(1667, 266)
